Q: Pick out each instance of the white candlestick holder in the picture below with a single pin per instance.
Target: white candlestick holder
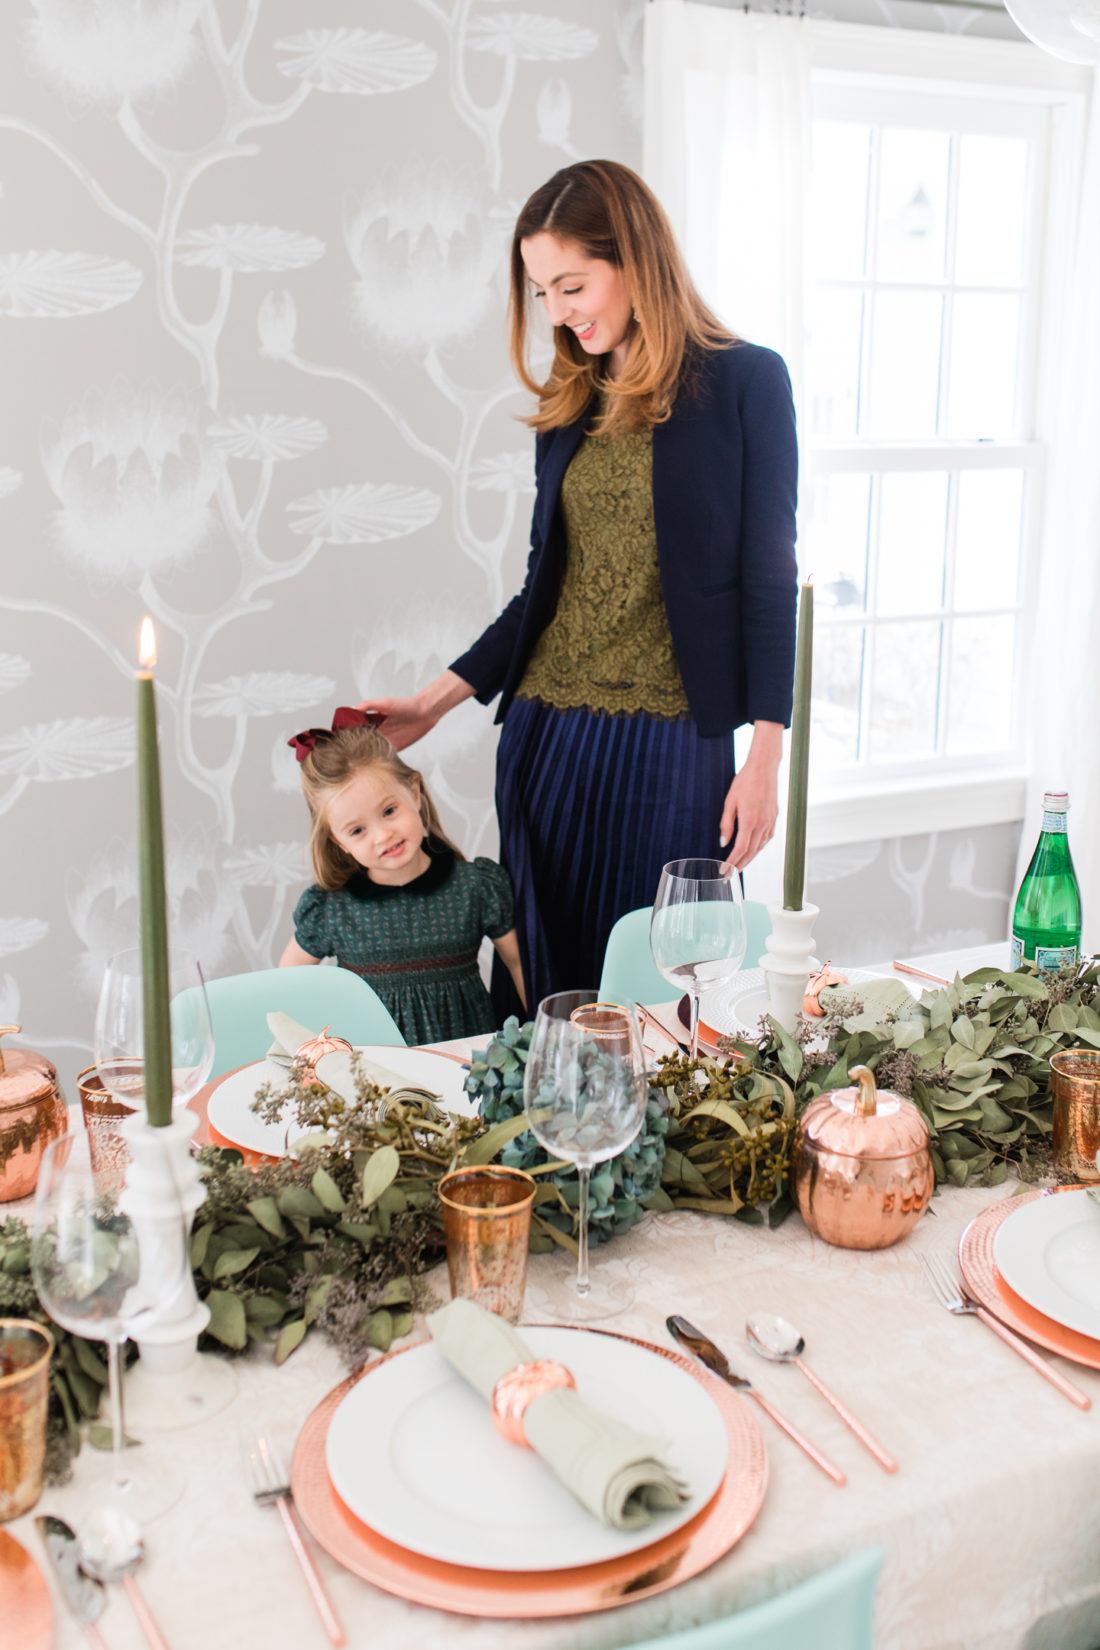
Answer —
(172, 1384)
(788, 962)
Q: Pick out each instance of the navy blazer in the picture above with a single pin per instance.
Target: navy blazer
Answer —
(725, 472)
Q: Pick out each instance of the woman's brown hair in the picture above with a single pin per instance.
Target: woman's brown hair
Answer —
(612, 215)
(332, 763)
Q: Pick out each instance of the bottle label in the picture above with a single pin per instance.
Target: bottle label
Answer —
(1054, 822)
(1046, 957)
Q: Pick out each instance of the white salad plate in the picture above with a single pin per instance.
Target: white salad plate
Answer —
(1048, 1252)
(736, 1009)
(412, 1451)
(230, 1108)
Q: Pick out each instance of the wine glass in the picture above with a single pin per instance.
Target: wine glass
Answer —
(104, 1261)
(584, 1094)
(697, 930)
(119, 1041)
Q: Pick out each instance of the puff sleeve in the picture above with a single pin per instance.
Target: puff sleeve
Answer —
(311, 923)
(497, 916)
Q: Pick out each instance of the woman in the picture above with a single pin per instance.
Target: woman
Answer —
(658, 611)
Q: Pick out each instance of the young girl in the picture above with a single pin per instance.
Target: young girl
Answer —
(394, 900)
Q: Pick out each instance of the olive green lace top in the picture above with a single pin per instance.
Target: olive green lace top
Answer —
(608, 646)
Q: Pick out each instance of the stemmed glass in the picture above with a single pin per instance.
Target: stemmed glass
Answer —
(697, 930)
(584, 1094)
(119, 1041)
(103, 1268)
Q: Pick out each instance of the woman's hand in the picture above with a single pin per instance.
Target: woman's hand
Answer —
(752, 801)
(407, 720)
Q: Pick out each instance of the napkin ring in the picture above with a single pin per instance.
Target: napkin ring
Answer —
(518, 1387)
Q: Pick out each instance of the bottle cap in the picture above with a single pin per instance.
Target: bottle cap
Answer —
(1055, 802)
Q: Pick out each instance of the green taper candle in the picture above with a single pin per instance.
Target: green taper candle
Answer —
(154, 923)
(794, 859)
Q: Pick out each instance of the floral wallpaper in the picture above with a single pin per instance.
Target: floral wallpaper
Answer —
(252, 285)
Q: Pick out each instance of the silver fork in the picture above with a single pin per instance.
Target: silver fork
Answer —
(951, 1293)
(270, 1484)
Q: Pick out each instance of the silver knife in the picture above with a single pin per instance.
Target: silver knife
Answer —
(718, 1364)
(87, 1599)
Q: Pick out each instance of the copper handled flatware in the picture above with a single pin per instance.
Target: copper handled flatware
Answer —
(951, 1294)
(270, 1484)
(715, 1360)
(648, 1017)
(920, 973)
(776, 1339)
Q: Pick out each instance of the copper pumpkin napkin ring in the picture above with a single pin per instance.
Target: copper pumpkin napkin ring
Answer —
(520, 1386)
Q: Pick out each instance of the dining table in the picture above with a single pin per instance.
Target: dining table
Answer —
(990, 1526)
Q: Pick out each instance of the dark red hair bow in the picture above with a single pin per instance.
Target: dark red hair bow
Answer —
(346, 717)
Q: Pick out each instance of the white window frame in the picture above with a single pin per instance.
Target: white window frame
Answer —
(849, 61)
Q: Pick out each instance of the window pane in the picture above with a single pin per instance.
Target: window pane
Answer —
(912, 529)
(987, 538)
(838, 195)
(989, 236)
(905, 364)
(980, 712)
(838, 680)
(904, 690)
(832, 362)
(912, 205)
(832, 537)
(981, 398)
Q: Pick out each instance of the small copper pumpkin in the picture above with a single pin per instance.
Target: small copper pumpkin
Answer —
(317, 1047)
(861, 1170)
(32, 1113)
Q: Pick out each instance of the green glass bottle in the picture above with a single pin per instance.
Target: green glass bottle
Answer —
(1046, 924)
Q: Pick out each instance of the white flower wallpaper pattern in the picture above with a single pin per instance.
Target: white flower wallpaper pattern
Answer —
(252, 287)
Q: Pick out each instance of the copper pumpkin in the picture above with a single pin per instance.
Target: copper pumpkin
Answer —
(32, 1113)
(862, 1170)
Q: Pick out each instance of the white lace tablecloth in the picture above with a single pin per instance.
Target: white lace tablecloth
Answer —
(991, 1526)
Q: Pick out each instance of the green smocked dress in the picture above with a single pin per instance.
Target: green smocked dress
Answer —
(416, 945)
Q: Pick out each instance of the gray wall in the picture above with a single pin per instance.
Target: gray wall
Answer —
(254, 382)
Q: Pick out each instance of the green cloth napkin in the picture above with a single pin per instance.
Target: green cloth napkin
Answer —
(335, 1070)
(880, 998)
(612, 1470)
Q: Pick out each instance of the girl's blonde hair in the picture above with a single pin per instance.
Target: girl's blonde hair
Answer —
(332, 763)
(612, 215)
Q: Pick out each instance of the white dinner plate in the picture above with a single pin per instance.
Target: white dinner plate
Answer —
(736, 1009)
(412, 1452)
(1049, 1253)
(230, 1105)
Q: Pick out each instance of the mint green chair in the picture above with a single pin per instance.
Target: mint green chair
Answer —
(315, 996)
(831, 1612)
(629, 973)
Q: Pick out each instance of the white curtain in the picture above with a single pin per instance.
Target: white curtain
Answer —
(1064, 704)
(732, 91)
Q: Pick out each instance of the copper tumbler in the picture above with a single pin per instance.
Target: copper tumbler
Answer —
(25, 1352)
(109, 1152)
(487, 1220)
(1075, 1133)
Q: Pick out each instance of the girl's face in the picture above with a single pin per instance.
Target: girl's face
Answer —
(588, 295)
(376, 820)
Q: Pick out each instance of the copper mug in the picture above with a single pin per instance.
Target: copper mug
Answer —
(487, 1222)
(1075, 1120)
(103, 1113)
(861, 1171)
(25, 1352)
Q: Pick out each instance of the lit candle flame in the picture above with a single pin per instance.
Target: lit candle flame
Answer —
(147, 647)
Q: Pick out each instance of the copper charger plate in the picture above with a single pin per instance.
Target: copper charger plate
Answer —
(527, 1594)
(26, 1608)
(988, 1287)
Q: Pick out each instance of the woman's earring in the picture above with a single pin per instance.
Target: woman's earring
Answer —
(635, 314)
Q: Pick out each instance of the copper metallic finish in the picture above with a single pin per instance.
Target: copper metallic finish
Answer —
(521, 1386)
(315, 1048)
(487, 1222)
(25, 1352)
(32, 1114)
(103, 1112)
(988, 1287)
(1075, 1085)
(607, 1023)
(861, 1170)
(26, 1608)
(527, 1595)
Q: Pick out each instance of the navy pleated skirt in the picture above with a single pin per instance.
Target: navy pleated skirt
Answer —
(590, 808)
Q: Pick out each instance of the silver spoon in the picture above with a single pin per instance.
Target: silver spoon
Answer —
(779, 1341)
(111, 1548)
